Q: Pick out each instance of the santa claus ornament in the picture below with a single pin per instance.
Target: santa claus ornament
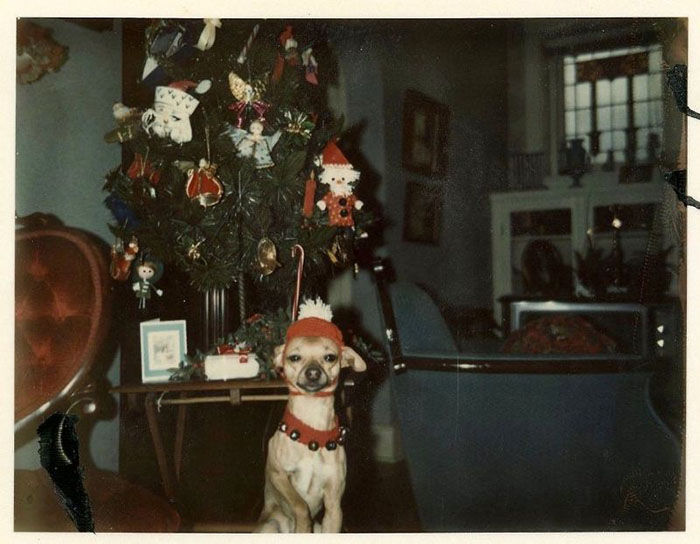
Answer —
(339, 175)
(202, 184)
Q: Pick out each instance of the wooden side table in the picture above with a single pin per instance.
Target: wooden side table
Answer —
(233, 392)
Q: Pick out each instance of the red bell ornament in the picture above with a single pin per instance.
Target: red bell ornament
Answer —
(202, 184)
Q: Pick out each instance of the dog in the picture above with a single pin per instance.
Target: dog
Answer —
(306, 463)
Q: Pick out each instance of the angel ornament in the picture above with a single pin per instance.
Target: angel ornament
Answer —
(253, 143)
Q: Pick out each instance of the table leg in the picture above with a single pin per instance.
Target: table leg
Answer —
(168, 485)
(179, 436)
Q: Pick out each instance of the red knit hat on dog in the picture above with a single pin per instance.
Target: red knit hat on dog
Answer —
(315, 320)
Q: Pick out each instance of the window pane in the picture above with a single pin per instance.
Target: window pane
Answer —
(569, 97)
(612, 107)
(640, 87)
(619, 90)
(600, 158)
(604, 118)
(569, 74)
(655, 61)
(619, 116)
(586, 142)
(603, 92)
(619, 140)
(655, 113)
(642, 154)
(583, 95)
(570, 123)
(641, 114)
(642, 137)
(655, 86)
(583, 121)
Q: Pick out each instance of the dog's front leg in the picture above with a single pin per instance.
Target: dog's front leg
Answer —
(280, 480)
(333, 516)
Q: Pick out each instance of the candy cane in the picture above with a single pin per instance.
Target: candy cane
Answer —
(244, 53)
(300, 269)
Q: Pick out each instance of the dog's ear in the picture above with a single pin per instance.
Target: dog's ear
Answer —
(350, 358)
(277, 358)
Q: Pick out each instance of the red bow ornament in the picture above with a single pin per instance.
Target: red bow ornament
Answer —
(246, 96)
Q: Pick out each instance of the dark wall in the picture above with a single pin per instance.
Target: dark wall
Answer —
(462, 64)
(459, 63)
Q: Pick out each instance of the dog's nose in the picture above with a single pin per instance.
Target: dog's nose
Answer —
(313, 373)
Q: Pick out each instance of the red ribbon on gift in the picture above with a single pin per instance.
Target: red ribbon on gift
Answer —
(239, 108)
(228, 349)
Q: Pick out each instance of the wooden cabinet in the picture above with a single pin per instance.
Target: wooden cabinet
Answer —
(570, 219)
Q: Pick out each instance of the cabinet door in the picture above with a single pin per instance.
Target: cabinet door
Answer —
(541, 252)
(518, 220)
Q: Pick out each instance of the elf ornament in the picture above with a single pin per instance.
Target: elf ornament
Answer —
(147, 272)
(170, 115)
(202, 184)
(339, 175)
(253, 143)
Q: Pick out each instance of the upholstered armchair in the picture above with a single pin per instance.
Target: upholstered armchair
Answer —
(62, 342)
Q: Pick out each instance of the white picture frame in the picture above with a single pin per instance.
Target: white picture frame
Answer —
(163, 346)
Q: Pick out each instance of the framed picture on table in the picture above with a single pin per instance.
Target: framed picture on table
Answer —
(425, 135)
(163, 346)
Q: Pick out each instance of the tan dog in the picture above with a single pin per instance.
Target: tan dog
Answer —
(306, 463)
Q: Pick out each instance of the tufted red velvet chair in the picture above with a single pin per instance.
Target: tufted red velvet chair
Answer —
(62, 317)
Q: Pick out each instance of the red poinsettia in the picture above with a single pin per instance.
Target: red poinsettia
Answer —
(559, 334)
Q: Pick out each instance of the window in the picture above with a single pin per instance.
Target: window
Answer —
(612, 101)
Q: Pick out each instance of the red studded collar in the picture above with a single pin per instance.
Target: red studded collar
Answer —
(299, 431)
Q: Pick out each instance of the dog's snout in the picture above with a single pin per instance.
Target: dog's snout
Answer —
(313, 373)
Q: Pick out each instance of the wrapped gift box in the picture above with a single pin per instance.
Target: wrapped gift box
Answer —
(238, 364)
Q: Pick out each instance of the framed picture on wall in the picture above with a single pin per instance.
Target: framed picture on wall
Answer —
(422, 213)
(425, 135)
(163, 346)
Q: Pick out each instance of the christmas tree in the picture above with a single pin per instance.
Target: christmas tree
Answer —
(237, 160)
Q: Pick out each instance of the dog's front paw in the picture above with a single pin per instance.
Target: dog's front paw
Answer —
(303, 525)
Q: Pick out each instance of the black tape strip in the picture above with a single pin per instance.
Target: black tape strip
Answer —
(677, 79)
(58, 453)
(678, 179)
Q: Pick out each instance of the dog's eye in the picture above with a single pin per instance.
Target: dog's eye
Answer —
(294, 358)
(330, 357)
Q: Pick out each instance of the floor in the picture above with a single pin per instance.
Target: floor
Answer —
(222, 474)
